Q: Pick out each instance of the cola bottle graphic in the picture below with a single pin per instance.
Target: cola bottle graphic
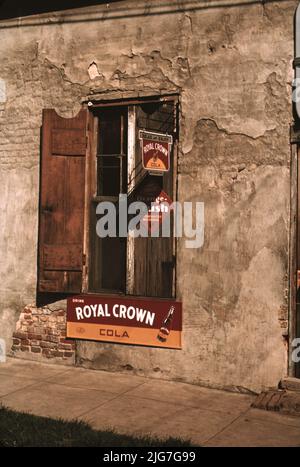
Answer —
(165, 329)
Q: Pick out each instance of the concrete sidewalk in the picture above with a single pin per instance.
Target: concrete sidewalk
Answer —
(136, 405)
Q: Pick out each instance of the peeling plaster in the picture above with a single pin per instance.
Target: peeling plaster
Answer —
(93, 71)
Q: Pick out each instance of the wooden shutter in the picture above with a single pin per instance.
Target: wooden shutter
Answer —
(62, 200)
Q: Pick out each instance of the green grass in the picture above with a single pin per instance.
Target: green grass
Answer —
(21, 429)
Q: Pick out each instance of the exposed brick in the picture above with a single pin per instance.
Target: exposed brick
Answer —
(35, 342)
(259, 400)
(35, 336)
(274, 402)
(47, 345)
(36, 312)
(43, 319)
(53, 332)
(46, 352)
(20, 335)
(65, 346)
(54, 339)
(41, 330)
(65, 340)
(25, 342)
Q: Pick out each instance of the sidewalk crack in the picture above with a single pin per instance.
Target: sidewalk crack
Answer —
(109, 400)
(242, 414)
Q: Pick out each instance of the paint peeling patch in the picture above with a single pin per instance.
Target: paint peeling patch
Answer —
(2, 91)
(93, 71)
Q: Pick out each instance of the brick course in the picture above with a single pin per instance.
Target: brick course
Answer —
(43, 332)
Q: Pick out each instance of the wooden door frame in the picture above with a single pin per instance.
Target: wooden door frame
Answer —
(294, 252)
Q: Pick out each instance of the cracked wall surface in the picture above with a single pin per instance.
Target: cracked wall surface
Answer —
(232, 67)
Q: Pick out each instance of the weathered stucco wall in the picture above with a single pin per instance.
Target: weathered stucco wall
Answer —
(232, 68)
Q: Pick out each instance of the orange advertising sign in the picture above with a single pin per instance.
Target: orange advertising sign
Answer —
(126, 320)
(156, 148)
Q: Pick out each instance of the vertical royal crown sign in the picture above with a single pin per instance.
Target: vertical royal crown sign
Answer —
(156, 148)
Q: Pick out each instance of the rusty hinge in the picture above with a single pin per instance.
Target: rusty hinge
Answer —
(298, 279)
(83, 259)
(294, 134)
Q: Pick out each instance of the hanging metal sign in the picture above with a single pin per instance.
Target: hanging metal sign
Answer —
(125, 320)
(158, 201)
(158, 211)
(156, 148)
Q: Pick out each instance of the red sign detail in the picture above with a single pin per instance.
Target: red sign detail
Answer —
(157, 212)
(156, 150)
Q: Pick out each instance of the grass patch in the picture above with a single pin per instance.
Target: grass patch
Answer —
(20, 429)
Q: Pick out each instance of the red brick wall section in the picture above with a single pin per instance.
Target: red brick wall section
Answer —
(42, 332)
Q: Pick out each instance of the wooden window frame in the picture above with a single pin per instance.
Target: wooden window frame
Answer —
(91, 185)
